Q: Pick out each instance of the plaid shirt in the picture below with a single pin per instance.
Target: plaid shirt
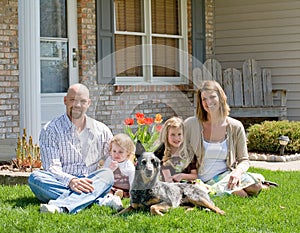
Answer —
(66, 155)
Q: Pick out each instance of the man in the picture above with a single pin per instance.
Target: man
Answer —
(72, 146)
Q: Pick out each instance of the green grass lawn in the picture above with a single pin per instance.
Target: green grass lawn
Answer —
(274, 210)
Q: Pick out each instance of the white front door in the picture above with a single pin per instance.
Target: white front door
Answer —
(58, 54)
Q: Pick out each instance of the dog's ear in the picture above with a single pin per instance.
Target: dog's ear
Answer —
(139, 149)
(157, 162)
(159, 152)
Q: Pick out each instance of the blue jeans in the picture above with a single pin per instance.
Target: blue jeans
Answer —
(48, 189)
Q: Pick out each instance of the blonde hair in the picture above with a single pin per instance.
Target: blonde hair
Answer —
(173, 122)
(210, 85)
(124, 141)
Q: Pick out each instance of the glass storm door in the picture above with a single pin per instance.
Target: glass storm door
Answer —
(59, 63)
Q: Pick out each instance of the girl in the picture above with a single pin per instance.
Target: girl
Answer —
(122, 151)
(176, 164)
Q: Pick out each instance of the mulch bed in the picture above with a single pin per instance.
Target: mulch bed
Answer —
(11, 166)
(11, 174)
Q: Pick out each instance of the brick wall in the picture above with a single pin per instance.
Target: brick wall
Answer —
(86, 13)
(112, 104)
(9, 70)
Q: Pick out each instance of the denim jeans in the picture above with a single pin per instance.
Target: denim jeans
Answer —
(47, 189)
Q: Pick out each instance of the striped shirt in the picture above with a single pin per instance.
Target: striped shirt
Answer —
(68, 154)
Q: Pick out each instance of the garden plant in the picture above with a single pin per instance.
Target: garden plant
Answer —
(146, 131)
(263, 137)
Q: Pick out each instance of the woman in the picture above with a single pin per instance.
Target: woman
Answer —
(220, 144)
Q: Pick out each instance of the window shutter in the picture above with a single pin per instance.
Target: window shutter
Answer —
(105, 41)
(198, 28)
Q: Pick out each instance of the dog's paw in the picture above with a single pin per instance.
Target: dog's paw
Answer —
(188, 209)
(126, 210)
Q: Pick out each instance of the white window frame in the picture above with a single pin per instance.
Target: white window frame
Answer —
(147, 35)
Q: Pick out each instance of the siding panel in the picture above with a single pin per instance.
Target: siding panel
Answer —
(268, 31)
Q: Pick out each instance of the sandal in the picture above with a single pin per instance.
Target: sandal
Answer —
(270, 183)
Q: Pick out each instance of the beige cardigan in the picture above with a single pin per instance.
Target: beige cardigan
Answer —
(237, 156)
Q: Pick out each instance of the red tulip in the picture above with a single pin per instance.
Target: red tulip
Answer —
(139, 115)
(129, 121)
(148, 121)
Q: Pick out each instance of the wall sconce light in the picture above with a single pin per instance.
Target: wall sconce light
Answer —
(283, 141)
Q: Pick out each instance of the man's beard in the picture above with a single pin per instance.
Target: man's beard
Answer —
(75, 115)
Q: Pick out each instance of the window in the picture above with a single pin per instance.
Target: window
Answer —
(54, 46)
(150, 41)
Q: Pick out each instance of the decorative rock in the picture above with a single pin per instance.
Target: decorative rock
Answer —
(280, 159)
(293, 157)
(253, 156)
(262, 157)
(271, 158)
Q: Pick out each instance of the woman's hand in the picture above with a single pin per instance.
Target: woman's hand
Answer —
(80, 185)
(234, 179)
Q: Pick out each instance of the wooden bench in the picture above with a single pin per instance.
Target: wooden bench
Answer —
(249, 91)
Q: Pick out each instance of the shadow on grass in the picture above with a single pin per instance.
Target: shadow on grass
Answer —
(23, 202)
(133, 212)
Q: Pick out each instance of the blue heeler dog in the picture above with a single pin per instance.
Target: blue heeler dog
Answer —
(148, 192)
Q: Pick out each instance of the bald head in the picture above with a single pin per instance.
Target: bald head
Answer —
(79, 88)
(77, 101)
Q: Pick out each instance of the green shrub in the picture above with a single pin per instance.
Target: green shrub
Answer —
(263, 137)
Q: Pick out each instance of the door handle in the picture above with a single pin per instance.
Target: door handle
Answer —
(75, 57)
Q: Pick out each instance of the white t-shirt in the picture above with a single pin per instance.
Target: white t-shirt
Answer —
(214, 160)
(127, 169)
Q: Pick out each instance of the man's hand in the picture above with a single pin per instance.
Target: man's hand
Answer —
(80, 185)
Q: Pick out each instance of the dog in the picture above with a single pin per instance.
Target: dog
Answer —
(148, 192)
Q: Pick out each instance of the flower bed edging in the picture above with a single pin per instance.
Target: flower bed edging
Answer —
(273, 158)
(12, 178)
